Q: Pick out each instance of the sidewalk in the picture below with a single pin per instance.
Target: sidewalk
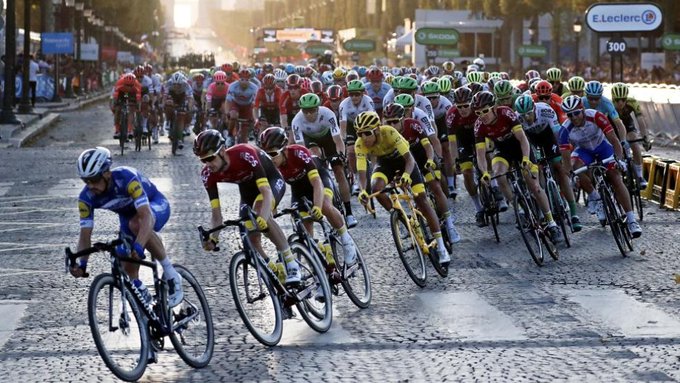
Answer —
(43, 116)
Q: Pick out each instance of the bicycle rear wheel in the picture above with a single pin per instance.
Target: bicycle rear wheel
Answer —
(123, 130)
(427, 236)
(558, 210)
(121, 336)
(193, 335)
(527, 228)
(256, 300)
(407, 247)
(490, 209)
(316, 304)
(614, 220)
(356, 281)
(633, 186)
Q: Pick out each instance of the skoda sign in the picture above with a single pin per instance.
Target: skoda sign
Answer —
(437, 36)
(623, 17)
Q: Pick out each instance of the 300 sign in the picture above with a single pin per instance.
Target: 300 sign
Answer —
(616, 46)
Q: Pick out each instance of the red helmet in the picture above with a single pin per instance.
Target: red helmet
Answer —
(305, 83)
(139, 71)
(269, 81)
(543, 88)
(220, 76)
(374, 74)
(129, 79)
(316, 87)
(227, 68)
(244, 73)
(293, 81)
(334, 92)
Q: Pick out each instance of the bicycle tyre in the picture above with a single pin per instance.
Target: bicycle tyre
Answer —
(139, 359)
(558, 211)
(177, 335)
(613, 218)
(314, 276)
(138, 135)
(431, 254)
(359, 268)
(417, 272)
(490, 208)
(268, 338)
(528, 231)
(173, 135)
(122, 137)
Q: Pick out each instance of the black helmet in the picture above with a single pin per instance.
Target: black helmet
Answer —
(462, 95)
(208, 143)
(394, 111)
(273, 138)
(475, 87)
(482, 100)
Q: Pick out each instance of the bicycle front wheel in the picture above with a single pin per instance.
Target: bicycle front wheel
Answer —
(315, 305)
(407, 248)
(356, 281)
(558, 210)
(614, 220)
(527, 228)
(427, 236)
(256, 300)
(120, 335)
(193, 335)
(123, 124)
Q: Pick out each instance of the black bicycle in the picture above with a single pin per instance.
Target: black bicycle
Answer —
(632, 182)
(128, 332)
(176, 134)
(558, 205)
(261, 295)
(123, 116)
(355, 279)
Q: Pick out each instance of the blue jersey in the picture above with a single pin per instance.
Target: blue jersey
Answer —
(128, 191)
(378, 96)
(605, 106)
(241, 96)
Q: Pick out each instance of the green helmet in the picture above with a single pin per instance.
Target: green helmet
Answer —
(444, 85)
(477, 77)
(405, 100)
(430, 88)
(495, 75)
(576, 83)
(309, 100)
(553, 74)
(524, 104)
(619, 90)
(502, 88)
(396, 82)
(408, 83)
(356, 86)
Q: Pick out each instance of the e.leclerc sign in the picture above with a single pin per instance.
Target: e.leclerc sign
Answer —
(623, 17)
(437, 36)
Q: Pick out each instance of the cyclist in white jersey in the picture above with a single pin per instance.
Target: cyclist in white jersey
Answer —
(350, 107)
(441, 105)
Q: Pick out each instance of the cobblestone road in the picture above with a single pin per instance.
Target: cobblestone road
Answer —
(592, 316)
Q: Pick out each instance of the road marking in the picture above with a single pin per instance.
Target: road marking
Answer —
(296, 332)
(471, 317)
(10, 313)
(24, 246)
(10, 272)
(67, 187)
(4, 187)
(26, 226)
(625, 315)
(24, 199)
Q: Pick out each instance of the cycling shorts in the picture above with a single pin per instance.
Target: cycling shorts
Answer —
(160, 208)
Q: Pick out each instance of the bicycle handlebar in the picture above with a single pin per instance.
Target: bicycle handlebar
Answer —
(70, 257)
(205, 234)
(583, 169)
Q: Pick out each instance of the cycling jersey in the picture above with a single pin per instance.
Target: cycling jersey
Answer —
(147, 84)
(379, 95)
(176, 90)
(349, 111)
(389, 97)
(325, 122)
(501, 132)
(242, 96)
(390, 145)
(462, 131)
(289, 106)
(157, 85)
(428, 125)
(120, 89)
(544, 118)
(605, 106)
(413, 132)
(555, 103)
(630, 110)
(270, 100)
(216, 91)
(298, 163)
(442, 108)
(589, 136)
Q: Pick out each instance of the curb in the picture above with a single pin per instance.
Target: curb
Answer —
(33, 130)
(81, 103)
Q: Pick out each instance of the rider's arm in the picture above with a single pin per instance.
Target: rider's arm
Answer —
(603, 123)
(480, 148)
(317, 186)
(429, 153)
(565, 148)
(620, 128)
(361, 164)
(267, 196)
(518, 132)
(335, 133)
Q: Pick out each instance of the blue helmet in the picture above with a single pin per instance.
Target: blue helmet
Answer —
(362, 71)
(594, 88)
(290, 68)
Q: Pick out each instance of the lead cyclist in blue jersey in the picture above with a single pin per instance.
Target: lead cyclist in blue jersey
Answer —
(141, 208)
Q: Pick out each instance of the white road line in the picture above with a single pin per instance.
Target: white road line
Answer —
(296, 331)
(67, 187)
(4, 187)
(10, 313)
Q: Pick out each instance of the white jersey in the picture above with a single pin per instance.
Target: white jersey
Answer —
(425, 105)
(147, 84)
(389, 97)
(348, 111)
(325, 122)
(442, 108)
(424, 120)
(544, 118)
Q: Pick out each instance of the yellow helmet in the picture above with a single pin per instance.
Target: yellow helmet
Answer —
(339, 74)
(366, 121)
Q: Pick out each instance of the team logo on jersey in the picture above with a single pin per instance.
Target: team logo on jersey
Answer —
(135, 189)
(547, 113)
(279, 184)
(301, 154)
(83, 209)
(250, 159)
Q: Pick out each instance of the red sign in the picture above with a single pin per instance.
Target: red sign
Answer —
(109, 53)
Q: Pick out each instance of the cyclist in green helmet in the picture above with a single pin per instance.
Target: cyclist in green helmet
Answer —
(554, 77)
(576, 85)
(503, 91)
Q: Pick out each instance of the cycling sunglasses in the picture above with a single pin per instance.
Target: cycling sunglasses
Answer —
(207, 159)
(356, 94)
(574, 113)
(593, 99)
(274, 153)
(482, 112)
(392, 121)
(92, 180)
(462, 106)
(367, 133)
(310, 110)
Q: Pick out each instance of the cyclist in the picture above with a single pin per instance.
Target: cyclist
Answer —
(448, 67)
(126, 86)
(554, 76)
(407, 101)
(316, 127)
(197, 84)
(289, 105)
(147, 84)
(261, 188)
(445, 89)
(500, 125)
(350, 108)
(334, 93)
(377, 88)
(215, 98)
(440, 105)
(393, 157)
(631, 117)
(267, 100)
(240, 100)
(541, 126)
(308, 178)
(422, 153)
(142, 210)
(544, 93)
(587, 135)
(576, 85)
(178, 94)
(503, 92)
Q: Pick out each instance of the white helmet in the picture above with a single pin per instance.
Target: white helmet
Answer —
(280, 75)
(479, 62)
(327, 77)
(472, 68)
(94, 162)
(178, 77)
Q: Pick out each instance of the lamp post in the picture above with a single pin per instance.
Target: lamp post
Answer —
(68, 5)
(7, 116)
(79, 25)
(58, 7)
(577, 34)
(25, 104)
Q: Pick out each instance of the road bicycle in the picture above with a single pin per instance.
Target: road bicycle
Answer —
(558, 205)
(128, 331)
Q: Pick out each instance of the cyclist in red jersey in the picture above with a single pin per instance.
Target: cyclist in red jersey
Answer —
(128, 87)
(267, 100)
(289, 107)
(544, 93)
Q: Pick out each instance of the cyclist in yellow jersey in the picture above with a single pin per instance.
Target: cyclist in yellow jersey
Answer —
(393, 158)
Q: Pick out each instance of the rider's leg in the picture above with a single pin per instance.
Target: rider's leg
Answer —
(378, 182)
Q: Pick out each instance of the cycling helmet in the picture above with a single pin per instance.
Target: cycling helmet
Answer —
(543, 88)
(361, 71)
(280, 75)
(479, 62)
(476, 77)
(227, 68)
(505, 75)
(309, 71)
(485, 76)
(129, 79)
(374, 74)
(448, 66)
(462, 95)
(293, 81)
(356, 86)
(305, 83)
(396, 72)
(309, 101)
(244, 73)
(389, 78)
(532, 84)
(495, 75)
(457, 75)
(408, 83)
(492, 82)
(316, 87)
(572, 103)
(524, 104)
(576, 84)
(594, 88)
(300, 69)
(334, 92)
(554, 74)
(94, 162)
(178, 77)
(289, 68)
(432, 71)
(619, 91)
(269, 81)
(531, 74)
(502, 88)
(339, 74)
(268, 67)
(405, 100)
(444, 85)
(236, 65)
(148, 69)
(475, 87)
(471, 68)
(365, 121)
(430, 88)
(482, 100)
(396, 83)
(394, 111)
(198, 77)
(139, 71)
(272, 139)
(516, 92)
(220, 77)
(351, 76)
(208, 143)
(327, 78)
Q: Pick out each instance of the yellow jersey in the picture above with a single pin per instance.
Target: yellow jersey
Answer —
(390, 145)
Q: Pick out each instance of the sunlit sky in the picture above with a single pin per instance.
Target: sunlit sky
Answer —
(186, 12)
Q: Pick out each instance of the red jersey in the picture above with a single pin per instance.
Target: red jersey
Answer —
(289, 104)
(298, 164)
(216, 91)
(462, 127)
(413, 131)
(555, 103)
(500, 131)
(120, 89)
(271, 101)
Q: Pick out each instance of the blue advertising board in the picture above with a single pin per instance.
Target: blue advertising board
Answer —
(57, 43)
